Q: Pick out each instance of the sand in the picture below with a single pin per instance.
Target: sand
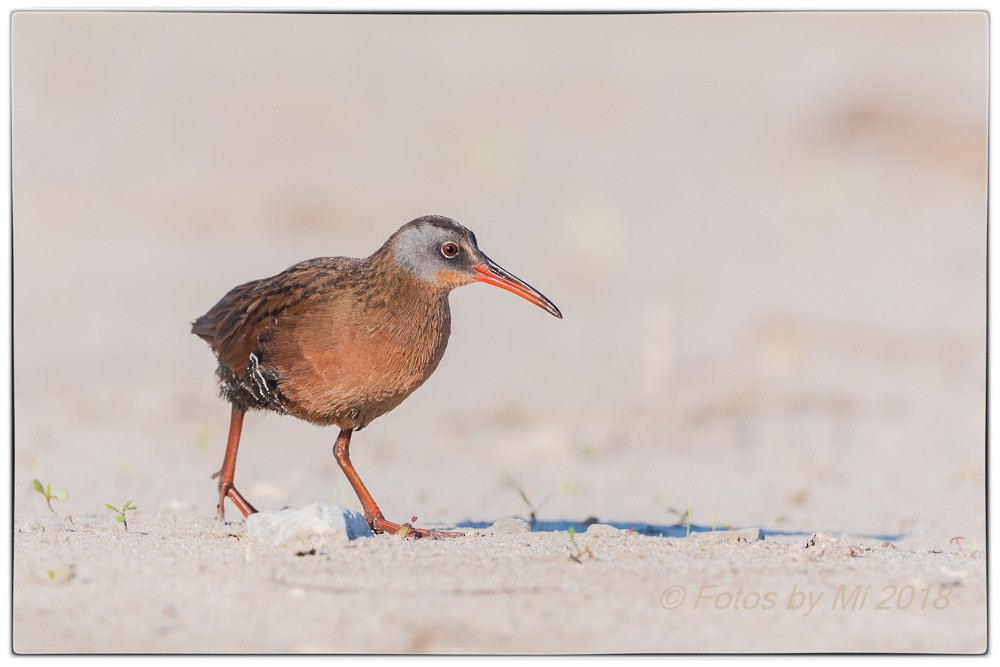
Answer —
(766, 234)
(188, 584)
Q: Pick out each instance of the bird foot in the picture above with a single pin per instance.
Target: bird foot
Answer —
(227, 490)
(379, 524)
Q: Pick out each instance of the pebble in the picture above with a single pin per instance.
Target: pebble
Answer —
(511, 525)
(604, 530)
(43, 523)
(315, 528)
(743, 535)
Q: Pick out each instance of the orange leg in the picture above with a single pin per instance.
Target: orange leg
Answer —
(225, 475)
(373, 515)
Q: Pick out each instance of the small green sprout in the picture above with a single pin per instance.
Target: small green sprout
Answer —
(580, 553)
(509, 482)
(531, 506)
(121, 512)
(407, 528)
(683, 518)
(61, 494)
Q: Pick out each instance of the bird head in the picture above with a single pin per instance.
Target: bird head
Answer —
(441, 251)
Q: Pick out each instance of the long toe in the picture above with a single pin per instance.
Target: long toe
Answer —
(381, 525)
(436, 534)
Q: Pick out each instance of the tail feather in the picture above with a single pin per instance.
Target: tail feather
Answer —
(204, 328)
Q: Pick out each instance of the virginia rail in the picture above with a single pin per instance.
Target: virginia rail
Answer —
(341, 341)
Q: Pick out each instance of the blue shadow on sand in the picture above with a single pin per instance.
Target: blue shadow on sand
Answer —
(660, 530)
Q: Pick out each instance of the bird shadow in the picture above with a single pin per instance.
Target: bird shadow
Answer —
(667, 530)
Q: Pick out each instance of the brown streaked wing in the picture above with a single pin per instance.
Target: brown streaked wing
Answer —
(234, 326)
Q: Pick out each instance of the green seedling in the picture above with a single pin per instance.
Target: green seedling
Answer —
(580, 553)
(405, 529)
(533, 511)
(121, 512)
(61, 494)
(508, 481)
(683, 519)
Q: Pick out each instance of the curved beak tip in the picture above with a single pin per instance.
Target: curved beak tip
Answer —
(490, 273)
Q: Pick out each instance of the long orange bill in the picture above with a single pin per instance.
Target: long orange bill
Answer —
(490, 273)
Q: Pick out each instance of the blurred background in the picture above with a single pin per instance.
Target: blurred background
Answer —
(766, 233)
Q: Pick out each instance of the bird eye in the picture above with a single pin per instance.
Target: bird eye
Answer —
(449, 249)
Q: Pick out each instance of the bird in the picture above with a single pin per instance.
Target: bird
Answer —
(340, 341)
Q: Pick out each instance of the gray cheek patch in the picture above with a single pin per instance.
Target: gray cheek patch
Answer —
(412, 250)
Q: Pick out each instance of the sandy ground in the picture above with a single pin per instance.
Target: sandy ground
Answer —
(766, 233)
